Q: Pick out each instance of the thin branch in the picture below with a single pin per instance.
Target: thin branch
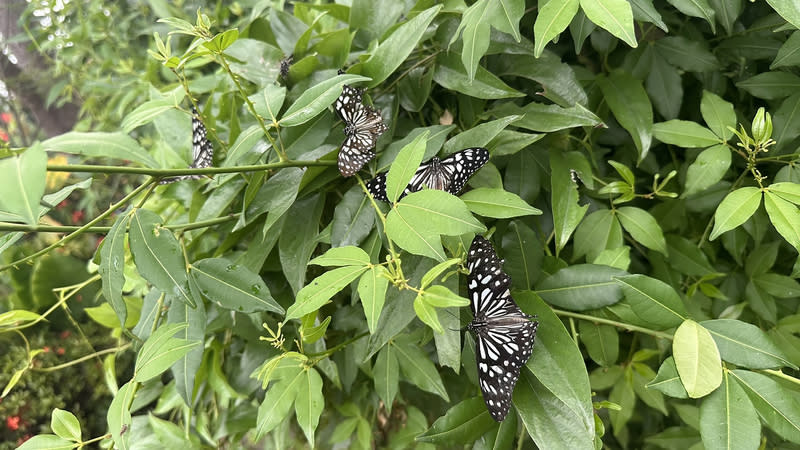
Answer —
(5, 226)
(83, 358)
(625, 326)
(175, 172)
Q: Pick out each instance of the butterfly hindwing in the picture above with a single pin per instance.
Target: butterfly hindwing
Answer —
(449, 174)
(363, 126)
(504, 333)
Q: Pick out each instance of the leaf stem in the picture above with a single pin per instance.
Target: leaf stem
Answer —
(5, 226)
(82, 359)
(780, 374)
(171, 172)
(625, 326)
(336, 348)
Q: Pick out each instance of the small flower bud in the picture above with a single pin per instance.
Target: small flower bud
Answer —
(762, 126)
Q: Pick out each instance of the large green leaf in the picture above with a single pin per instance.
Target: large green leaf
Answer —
(567, 212)
(396, 48)
(728, 419)
(385, 374)
(321, 289)
(628, 101)
(735, 209)
(309, 403)
(99, 144)
(643, 227)
(418, 368)
(160, 351)
(785, 217)
(684, 133)
(654, 301)
(315, 99)
(745, 344)
(450, 73)
(23, 185)
(775, 404)
(462, 424)
(697, 359)
(718, 114)
(404, 167)
(112, 265)
(497, 203)
(582, 287)
(615, 16)
(158, 255)
(233, 286)
(372, 292)
(553, 18)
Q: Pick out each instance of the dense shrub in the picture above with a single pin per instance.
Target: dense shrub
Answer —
(642, 189)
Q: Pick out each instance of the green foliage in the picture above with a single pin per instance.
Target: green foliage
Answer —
(642, 189)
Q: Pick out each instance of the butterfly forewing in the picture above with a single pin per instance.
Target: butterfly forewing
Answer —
(202, 150)
(449, 174)
(363, 127)
(504, 333)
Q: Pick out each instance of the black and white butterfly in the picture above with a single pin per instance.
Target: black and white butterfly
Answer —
(202, 150)
(362, 126)
(449, 174)
(504, 334)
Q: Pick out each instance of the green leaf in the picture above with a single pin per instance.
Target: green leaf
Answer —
(687, 54)
(523, 253)
(171, 435)
(787, 9)
(352, 219)
(718, 114)
(112, 265)
(233, 286)
(427, 314)
(497, 203)
(119, 417)
(405, 166)
(553, 396)
(684, 133)
(785, 217)
(728, 419)
(478, 136)
(654, 301)
(385, 374)
(222, 40)
(567, 212)
(160, 351)
(418, 220)
(644, 11)
(17, 317)
(450, 74)
(312, 333)
(776, 405)
(615, 16)
(418, 368)
(642, 227)
(316, 99)
(710, 166)
(548, 118)
(147, 112)
(696, 8)
(267, 103)
(299, 239)
(372, 291)
(396, 48)
(697, 359)
(475, 35)
(665, 86)
(780, 286)
(342, 256)
(158, 255)
(787, 191)
(735, 209)
(601, 342)
(65, 425)
(746, 345)
(771, 85)
(321, 289)
(630, 104)
(668, 381)
(441, 297)
(463, 424)
(184, 370)
(553, 18)
(598, 231)
(278, 402)
(46, 442)
(309, 403)
(582, 287)
(789, 53)
(439, 269)
(23, 184)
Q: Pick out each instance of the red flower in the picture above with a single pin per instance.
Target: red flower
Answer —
(77, 216)
(65, 334)
(45, 349)
(3, 135)
(13, 423)
(60, 350)
(5, 117)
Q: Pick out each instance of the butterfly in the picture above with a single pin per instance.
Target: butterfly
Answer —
(285, 64)
(202, 150)
(449, 174)
(504, 334)
(362, 126)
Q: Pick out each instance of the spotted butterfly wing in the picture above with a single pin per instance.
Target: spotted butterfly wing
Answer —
(504, 334)
(363, 126)
(449, 174)
(202, 150)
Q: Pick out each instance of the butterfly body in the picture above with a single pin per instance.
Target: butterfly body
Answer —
(449, 174)
(363, 126)
(504, 333)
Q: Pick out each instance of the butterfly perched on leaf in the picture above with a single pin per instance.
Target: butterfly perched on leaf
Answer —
(449, 174)
(202, 150)
(363, 126)
(504, 334)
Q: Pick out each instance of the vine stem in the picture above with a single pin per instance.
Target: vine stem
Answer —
(5, 226)
(171, 172)
(614, 323)
(336, 348)
(80, 230)
(83, 358)
(780, 374)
